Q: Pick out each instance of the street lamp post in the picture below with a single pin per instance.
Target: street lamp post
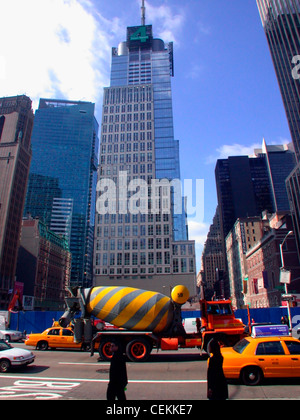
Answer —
(282, 268)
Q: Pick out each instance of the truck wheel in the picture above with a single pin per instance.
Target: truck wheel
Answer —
(138, 350)
(104, 349)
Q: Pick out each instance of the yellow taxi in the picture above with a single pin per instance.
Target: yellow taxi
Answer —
(253, 359)
(56, 337)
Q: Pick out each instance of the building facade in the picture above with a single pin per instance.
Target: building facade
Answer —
(281, 23)
(16, 121)
(213, 260)
(44, 265)
(245, 233)
(243, 189)
(280, 162)
(263, 261)
(141, 236)
(63, 177)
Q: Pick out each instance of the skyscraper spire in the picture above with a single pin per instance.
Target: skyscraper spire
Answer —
(143, 13)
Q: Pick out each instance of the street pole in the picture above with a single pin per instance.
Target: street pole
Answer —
(285, 284)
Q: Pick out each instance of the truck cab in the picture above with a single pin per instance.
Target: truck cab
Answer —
(218, 319)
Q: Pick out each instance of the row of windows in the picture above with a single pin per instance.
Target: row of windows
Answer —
(132, 230)
(116, 109)
(116, 128)
(136, 169)
(124, 95)
(182, 265)
(134, 244)
(135, 271)
(127, 137)
(127, 117)
(131, 218)
(135, 147)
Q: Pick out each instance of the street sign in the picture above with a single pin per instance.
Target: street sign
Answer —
(285, 276)
(287, 297)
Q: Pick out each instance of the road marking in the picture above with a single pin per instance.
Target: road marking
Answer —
(133, 381)
(40, 389)
(85, 364)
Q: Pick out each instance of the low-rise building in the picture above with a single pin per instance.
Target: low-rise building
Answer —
(264, 262)
(244, 234)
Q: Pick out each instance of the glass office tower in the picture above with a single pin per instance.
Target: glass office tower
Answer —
(281, 22)
(145, 245)
(63, 177)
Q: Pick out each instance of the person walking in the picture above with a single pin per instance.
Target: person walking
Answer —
(117, 374)
(217, 388)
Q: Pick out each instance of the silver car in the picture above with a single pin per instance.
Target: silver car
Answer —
(13, 357)
(11, 335)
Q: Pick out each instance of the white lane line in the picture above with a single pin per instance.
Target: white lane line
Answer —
(85, 364)
(133, 381)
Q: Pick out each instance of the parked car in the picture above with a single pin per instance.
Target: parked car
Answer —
(253, 359)
(11, 335)
(56, 337)
(13, 357)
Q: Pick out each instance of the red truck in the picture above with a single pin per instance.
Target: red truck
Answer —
(148, 320)
(216, 320)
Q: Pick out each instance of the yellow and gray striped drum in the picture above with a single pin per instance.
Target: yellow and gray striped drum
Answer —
(130, 308)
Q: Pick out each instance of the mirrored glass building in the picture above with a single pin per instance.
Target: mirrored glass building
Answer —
(281, 22)
(63, 176)
(141, 236)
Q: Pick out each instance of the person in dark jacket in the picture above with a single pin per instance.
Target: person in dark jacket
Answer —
(217, 388)
(117, 375)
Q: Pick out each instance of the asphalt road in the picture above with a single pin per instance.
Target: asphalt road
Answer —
(167, 376)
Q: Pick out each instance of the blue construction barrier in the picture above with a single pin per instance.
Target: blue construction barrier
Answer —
(270, 315)
(33, 321)
(38, 321)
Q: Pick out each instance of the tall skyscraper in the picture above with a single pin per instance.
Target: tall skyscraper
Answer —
(281, 22)
(243, 189)
(141, 233)
(280, 161)
(249, 186)
(63, 177)
(213, 260)
(16, 121)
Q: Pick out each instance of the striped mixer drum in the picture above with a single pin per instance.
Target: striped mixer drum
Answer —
(130, 308)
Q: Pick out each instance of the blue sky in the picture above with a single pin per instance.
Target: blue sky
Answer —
(225, 93)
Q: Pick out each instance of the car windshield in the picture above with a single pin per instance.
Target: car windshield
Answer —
(241, 345)
(219, 309)
(4, 346)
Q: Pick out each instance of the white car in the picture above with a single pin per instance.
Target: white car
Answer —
(11, 335)
(13, 357)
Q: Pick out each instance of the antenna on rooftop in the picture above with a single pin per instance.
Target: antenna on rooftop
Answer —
(143, 13)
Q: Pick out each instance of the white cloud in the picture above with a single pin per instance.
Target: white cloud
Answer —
(53, 48)
(198, 231)
(237, 149)
(233, 150)
(62, 48)
(166, 21)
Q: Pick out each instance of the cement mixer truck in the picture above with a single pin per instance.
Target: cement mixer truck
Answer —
(146, 320)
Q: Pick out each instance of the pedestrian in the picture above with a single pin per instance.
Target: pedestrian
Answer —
(117, 374)
(217, 388)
